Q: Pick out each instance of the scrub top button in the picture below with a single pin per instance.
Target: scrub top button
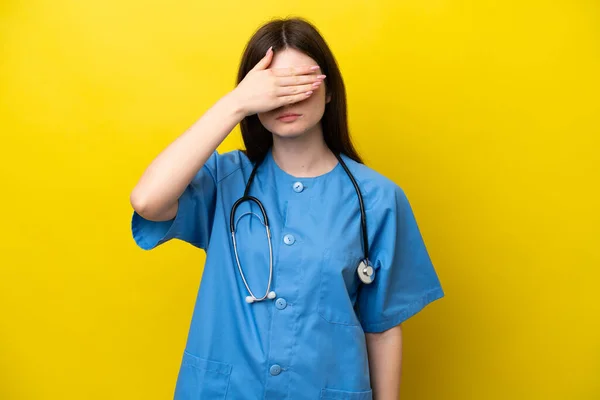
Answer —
(298, 187)
(275, 370)
(280, 303)
(289, 239)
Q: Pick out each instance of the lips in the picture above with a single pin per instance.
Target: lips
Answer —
(288, 116)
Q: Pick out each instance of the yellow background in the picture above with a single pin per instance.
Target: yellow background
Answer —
(485, 112)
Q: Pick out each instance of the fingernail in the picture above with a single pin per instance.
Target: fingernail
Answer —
(309, 93)
(321, 77)
(316, 84)
(314, 68)
(270, 49)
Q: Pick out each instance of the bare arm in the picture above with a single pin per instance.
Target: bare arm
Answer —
(385, 362)
(156, 195)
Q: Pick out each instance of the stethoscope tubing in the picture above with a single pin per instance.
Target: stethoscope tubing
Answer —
(246, 197)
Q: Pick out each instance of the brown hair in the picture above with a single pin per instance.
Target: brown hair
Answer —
(298, 34)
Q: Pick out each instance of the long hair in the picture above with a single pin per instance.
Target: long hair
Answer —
(298, 34)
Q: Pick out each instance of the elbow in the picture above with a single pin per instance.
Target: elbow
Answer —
(139, 202)
(142, 205)
(150, 208)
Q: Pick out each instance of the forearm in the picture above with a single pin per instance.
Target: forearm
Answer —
(385, 363)
(156, 194)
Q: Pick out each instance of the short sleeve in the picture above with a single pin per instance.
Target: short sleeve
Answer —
(405, 280)
(195, 214)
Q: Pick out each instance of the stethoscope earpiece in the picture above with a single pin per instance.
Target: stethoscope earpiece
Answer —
(251, 299)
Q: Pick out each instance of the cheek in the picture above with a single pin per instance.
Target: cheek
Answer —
(315, 106)
(267, 119)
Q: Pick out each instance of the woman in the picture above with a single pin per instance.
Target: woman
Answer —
(289, 312)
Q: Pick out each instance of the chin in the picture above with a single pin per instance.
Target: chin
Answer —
(288, 130)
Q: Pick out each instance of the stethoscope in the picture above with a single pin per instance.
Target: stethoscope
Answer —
(365, 271)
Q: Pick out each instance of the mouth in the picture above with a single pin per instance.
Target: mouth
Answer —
(288, 117)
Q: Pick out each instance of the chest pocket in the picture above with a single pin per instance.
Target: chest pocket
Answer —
(202, 379)
(338, 287)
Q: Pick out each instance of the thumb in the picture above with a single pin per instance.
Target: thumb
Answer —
(265, 61)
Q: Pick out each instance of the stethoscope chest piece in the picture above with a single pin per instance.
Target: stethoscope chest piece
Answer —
(366, 273)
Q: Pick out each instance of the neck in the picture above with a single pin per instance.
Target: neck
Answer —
(303, 156)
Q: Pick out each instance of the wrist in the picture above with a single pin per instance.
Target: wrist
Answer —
(235, 105)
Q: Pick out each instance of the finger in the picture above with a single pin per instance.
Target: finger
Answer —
(299, 80)
(294, 98)
(265, 61)
(291, 71)
(298, 89)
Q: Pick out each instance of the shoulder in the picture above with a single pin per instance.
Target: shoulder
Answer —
(377, 189)
(223, 165)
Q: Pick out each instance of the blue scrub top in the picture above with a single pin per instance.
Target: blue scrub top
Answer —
(309, 342)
